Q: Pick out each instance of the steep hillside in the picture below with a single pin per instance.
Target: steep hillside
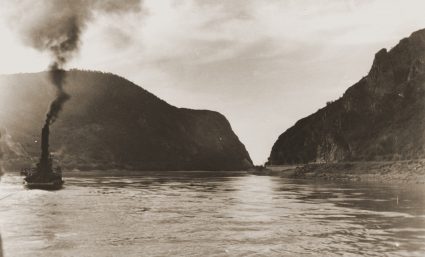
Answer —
(381, 117)
(110, 122)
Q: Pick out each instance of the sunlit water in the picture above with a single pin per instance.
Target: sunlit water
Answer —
(207, 214)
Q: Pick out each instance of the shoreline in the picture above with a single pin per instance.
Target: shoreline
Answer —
(394, 172)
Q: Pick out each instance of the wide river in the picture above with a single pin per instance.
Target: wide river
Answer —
(209, 214)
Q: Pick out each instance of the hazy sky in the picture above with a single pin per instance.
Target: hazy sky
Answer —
(264, 64)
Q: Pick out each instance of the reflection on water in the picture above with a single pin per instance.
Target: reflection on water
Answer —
(210, 214)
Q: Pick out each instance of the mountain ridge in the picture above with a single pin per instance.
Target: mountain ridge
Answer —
(381, 117)
(110, 122)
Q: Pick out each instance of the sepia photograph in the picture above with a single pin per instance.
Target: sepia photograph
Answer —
(198, 128)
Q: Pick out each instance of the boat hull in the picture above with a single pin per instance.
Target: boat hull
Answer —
(52, 185)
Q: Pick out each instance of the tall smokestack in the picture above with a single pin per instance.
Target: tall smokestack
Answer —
(44, 144)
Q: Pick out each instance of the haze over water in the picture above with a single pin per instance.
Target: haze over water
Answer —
(210, 214)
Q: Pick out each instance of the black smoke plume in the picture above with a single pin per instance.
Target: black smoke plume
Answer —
(55, 27)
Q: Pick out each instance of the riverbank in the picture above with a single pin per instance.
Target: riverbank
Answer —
(409, 171)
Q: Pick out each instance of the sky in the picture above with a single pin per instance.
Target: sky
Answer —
(264, 64)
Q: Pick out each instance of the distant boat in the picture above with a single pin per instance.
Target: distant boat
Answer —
(51, 185)
(43, 177)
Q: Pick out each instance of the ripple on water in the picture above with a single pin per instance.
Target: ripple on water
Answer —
(194, 214)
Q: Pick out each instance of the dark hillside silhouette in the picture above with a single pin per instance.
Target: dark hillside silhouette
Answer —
(110, 122)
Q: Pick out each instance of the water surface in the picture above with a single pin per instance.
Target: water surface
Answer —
(210, 214)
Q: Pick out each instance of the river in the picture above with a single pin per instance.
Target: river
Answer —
(209, 214)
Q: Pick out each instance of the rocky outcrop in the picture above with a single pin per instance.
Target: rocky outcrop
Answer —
(110, 122)
(381, 117)
(392, 172)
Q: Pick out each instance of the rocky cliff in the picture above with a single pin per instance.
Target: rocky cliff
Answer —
(381, 117)
(110, 122)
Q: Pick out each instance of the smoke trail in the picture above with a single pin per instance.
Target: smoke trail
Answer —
(55, 26)
(57, 76)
